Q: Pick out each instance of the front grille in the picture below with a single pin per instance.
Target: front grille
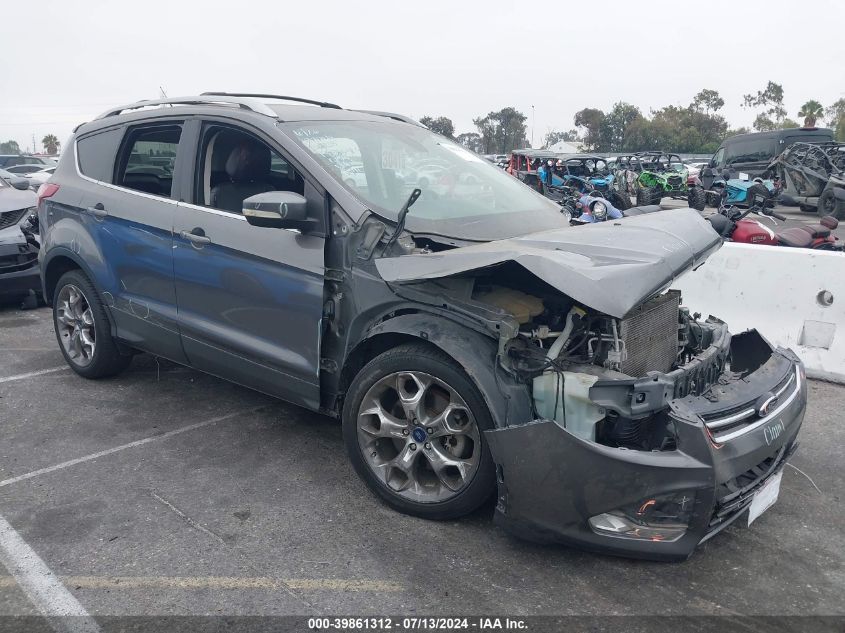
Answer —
(735, 495)
(11, 217)
(15, 263)
(738, 420)
(675, 182)
(650, 335)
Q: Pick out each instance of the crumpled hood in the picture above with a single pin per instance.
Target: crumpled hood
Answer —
(611, 267)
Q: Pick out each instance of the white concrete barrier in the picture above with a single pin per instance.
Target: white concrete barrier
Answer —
(795, 297)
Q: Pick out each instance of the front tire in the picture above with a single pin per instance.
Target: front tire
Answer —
(413, 426)
(649, 195)
(83, 330)
(697, 198)
(619, 200)
(829, 204)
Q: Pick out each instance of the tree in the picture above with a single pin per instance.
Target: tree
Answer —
(502, 131)
(10, 147)
(709, 100)
(591, 120)
(615, 124)
(51, 144)
(836, 119)
(472, 141)
(553, 136)
(441, 125)
(811, 112)
(770, 98)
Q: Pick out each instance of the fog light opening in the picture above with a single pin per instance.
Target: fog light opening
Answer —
(662, 518)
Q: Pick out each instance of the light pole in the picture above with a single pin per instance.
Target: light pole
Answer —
(532, 127)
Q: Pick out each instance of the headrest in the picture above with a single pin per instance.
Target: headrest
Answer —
(829, 221)
(248, 161)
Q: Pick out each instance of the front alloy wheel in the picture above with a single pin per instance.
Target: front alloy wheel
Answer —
(75, 325)
(418, 436)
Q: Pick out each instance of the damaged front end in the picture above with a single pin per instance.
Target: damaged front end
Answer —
(648, 429)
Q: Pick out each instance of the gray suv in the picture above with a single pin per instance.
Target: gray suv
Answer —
(471, 342)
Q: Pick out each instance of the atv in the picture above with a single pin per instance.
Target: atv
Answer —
(813, 176)
(737, 188)
(665, 175)
(590, 174)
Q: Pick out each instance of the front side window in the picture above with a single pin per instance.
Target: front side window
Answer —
(148, 158)
(463, 195)
(234, 165)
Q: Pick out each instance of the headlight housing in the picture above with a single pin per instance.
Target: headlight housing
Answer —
(663, 518)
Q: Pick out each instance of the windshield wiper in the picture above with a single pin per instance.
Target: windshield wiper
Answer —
(403, 213)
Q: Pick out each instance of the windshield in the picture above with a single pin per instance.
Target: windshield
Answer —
(463, 195)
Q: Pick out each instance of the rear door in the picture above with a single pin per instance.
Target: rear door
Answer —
(250, 299)
(128, 207)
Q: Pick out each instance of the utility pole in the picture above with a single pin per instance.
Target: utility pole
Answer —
(532, 127)
(33, 145)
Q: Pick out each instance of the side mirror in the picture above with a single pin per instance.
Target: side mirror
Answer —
(20, 183)
(278, 210)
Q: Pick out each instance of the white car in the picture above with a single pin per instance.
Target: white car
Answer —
(38, 178)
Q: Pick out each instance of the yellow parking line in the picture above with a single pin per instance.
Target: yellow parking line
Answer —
(219, 582)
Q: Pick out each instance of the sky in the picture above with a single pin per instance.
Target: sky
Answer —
(66, 61)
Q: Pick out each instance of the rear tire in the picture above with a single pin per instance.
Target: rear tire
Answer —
(697, 198)
(619, 200)
(829, 204)
(83, 329)
(407, 471)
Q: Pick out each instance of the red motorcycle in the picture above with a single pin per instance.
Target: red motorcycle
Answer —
(734, 224)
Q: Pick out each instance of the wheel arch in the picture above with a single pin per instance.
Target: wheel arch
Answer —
(508, 401)
(60, 261)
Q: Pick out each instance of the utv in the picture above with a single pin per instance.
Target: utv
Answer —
(590, 174)
(814, 176)
(665, 175)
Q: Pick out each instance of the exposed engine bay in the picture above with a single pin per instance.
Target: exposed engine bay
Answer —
(586, 370)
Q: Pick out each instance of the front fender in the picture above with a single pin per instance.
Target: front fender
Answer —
(509, 401)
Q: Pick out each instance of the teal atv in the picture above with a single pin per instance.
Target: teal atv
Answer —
(663, 175)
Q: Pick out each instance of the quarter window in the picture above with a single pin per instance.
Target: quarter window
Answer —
(148, 159)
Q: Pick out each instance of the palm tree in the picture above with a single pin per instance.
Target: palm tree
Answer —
(811, 111)
(50, 143)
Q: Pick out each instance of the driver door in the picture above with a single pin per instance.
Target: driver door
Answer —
(249, 299)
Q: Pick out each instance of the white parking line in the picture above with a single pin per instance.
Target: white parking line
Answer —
(31, 374)
(123, 447)
(41, 585)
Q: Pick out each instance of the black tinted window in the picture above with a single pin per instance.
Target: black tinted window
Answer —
(751, 150)
(148, 158)
(96, 154)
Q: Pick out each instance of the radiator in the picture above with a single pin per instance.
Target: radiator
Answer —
(650, 334)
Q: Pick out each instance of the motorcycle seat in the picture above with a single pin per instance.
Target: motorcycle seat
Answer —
(797, 238)
(816, 230)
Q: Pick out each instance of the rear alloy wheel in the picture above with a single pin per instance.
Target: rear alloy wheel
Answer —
(83, 329)
(413, 426)
(829, 204)
(697, 198)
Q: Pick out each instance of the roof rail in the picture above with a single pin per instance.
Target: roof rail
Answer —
(247, 104)
(392, 115)
(258, 95)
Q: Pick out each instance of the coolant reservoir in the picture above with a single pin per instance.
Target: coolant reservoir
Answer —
(521, 305)
(565, 398)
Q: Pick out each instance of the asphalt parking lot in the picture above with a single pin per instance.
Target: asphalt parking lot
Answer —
(215, 499)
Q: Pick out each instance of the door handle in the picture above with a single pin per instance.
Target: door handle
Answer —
(196, 236)
(98, 210)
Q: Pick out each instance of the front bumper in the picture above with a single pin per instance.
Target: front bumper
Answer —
(19, 269)
(551, 482)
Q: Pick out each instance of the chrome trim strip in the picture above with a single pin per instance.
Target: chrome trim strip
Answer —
(736, 417)
(225, 214)
(747, 429)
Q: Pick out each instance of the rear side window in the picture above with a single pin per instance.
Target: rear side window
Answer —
(147, 159)
(751, 150)
(96, 154)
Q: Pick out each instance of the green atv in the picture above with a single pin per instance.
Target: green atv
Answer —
(663, 175)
